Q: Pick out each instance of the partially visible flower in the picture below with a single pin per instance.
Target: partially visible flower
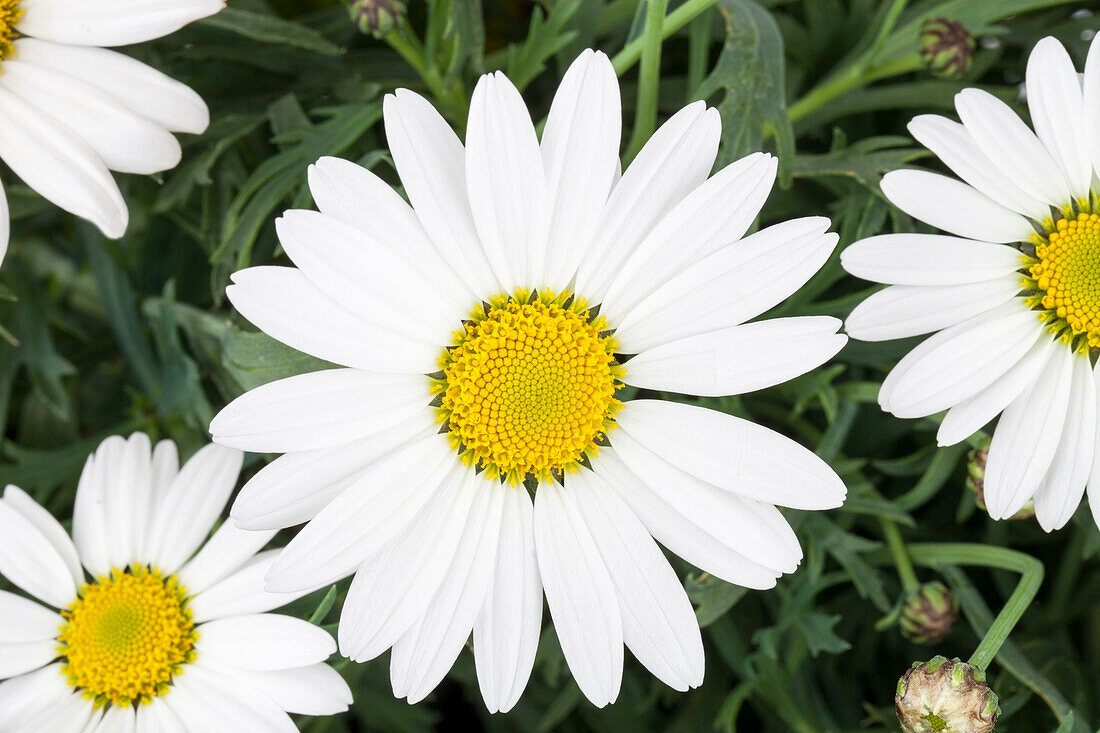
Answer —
(1012, 292)
(376, 17)
(975, 481)
(945, 695)
(929, 613)
(157, 637)
(946, 47)
(71, 112)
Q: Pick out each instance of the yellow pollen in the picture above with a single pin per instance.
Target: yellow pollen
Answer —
(10, 13)
(529, 387)
(126, 636)
(1065, 274)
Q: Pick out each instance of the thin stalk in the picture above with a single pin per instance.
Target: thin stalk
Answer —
(676, 20)
(1031, 577)
(698, 53)
(649, 76)
(404, 41)
(906, 573)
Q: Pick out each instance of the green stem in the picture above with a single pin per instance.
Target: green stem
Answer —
(676, 20)
(649, 75)
(404, 41)
(1031, 577)
(906, 574)
(698, 52)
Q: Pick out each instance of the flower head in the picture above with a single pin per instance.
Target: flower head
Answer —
(946, 47)
(137, 624)
(1012, 290)
(376, 17)
(945, 695)
(475, 450)
(72, 111)
(929, 613)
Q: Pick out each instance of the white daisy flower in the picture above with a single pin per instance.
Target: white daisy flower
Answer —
(1014, 294)
(161, 639)
(71, 112)
(483, 333)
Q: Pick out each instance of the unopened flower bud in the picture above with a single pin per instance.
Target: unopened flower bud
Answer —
(975, 481)
(376, 17)
(945, 695)
(929, 613)
(946, 47)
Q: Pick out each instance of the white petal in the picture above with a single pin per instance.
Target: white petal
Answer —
(900, 311)
(207, 701)
(49, 528)
(293, 488)
(1093, 488)
(1027, 437)
(422, 656)
(506, 183)
(242, 592)
(738, 359)
(734, 454)
(372, 510)
(58, 165)
(223, 554)
(192, 504)
(1092, 102)
(580, 594)
(1058, 497)
(314, 690)
(676, 159)
(125, 141)
(432, 165)
(659, 624)
(954, 145)
(264, 641)
(157, 716)
(5, 223)
(953, 206)
(121, 488)
(29, 558)
(753, 532)
(734, 284)
(1057, 110)
(71, 713)
(117, 719)
(968, 416)
(394, 586)
(20, 657)
(138, 87)
(366, 277)
(356, 196)
(960, 361)
(89, 529)
(1012, 146)
(109, 22)
(25, 697)
(580, 153)
(285, 305)
(715, 214)
(166, 464)
(506, 633)
(22, 620)
(319, 410)
(929, 259)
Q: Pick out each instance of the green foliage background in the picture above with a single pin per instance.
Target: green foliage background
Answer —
(107, 337)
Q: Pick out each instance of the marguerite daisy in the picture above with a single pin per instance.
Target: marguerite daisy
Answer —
(484, 333)
(1014, 295)
(156, 638)
(71, 112)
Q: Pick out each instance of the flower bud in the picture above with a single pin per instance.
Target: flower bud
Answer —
(946, 47)
(376, 17)
(945, 695)
(975, 481)
(929, 614)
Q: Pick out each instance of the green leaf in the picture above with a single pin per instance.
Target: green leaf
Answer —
(751, 71)
(255, 358)
(817, 631)
(319, 614)
(270, 29)
(546, 36)
(712, 597)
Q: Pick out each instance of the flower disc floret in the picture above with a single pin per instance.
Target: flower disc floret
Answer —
(1064, 275)
(10, 13)
(529, 387)
(126, 636)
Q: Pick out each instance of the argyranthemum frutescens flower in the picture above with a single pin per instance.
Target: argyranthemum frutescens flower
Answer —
(483, 333)
(156, 638)
(71, 112)
(1015, 296)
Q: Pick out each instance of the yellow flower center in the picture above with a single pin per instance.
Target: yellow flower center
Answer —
(10, 13)
(529, 387)
(1065, 278)
(126, 636)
